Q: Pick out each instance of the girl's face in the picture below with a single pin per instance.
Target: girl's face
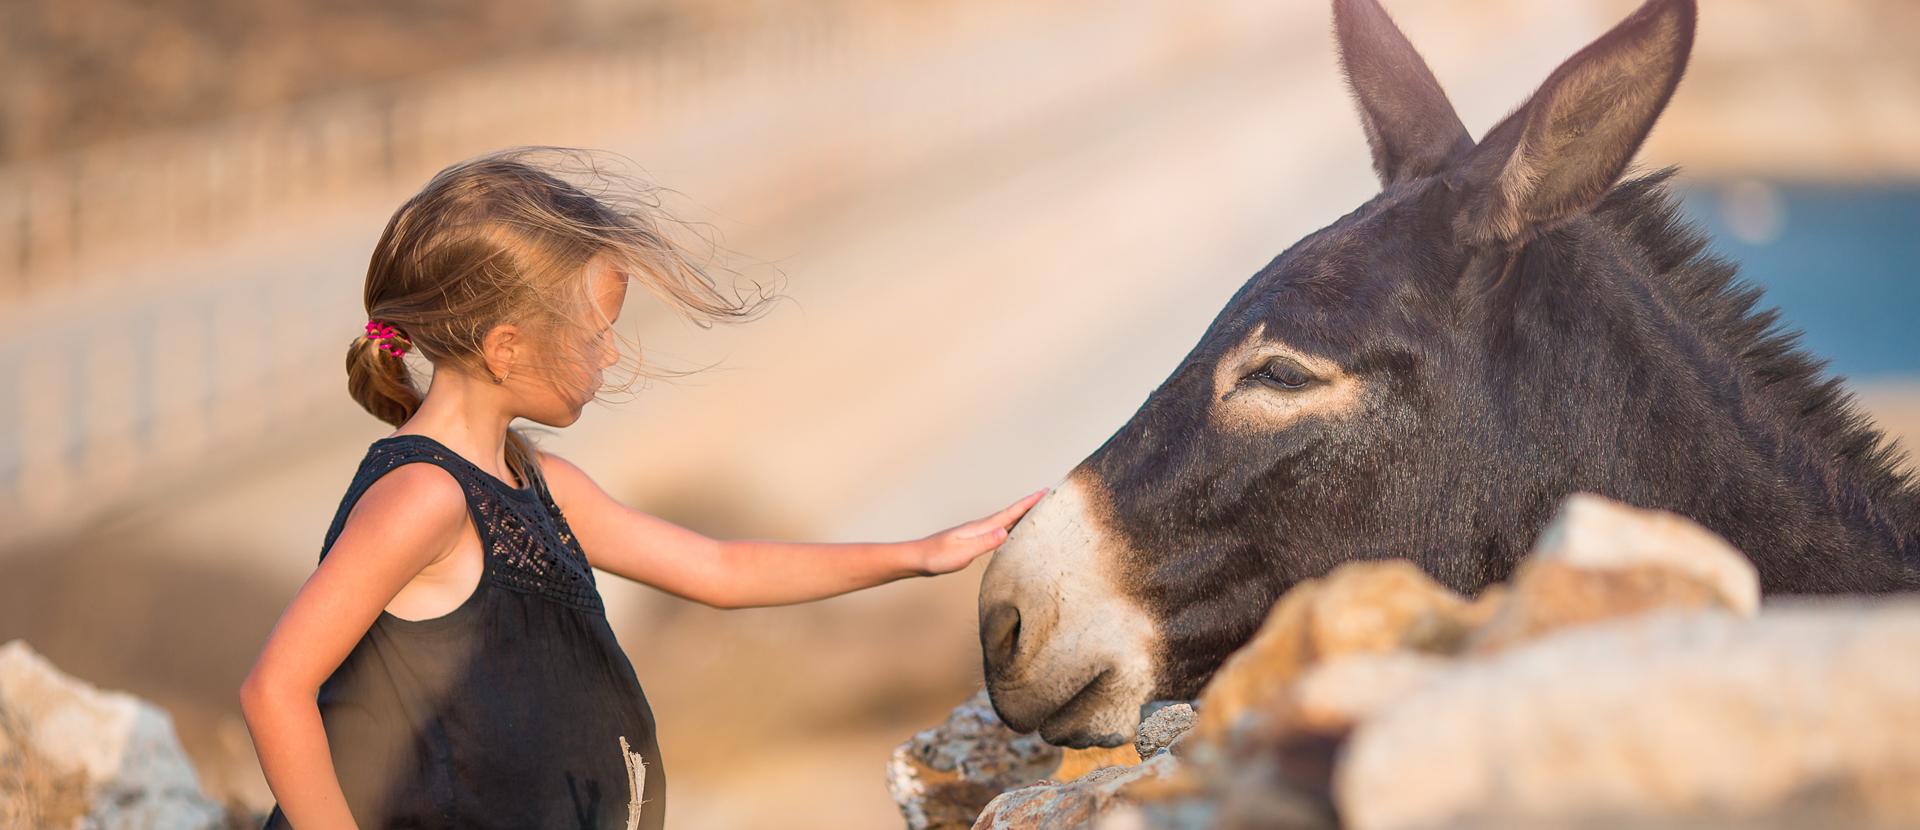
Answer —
(575, 368)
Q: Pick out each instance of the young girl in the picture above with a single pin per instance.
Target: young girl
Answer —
(449, 663)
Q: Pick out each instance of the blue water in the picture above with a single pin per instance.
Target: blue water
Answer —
(1842, 262)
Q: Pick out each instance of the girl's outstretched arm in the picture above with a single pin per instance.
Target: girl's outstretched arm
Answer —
(747, 573)
(406, 521)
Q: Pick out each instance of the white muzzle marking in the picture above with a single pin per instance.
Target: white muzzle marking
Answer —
(1062, 570)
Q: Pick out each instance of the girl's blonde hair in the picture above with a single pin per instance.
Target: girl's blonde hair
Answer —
(505, 238)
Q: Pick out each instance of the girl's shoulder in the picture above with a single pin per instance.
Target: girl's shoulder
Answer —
(401, 483)
(570, 488)
(411, 467)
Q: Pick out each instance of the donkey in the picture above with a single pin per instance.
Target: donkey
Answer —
(1505, 323)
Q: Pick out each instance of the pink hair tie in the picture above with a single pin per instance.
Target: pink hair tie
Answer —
(394, 341)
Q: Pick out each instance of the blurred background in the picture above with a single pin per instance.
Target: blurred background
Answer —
(1000, 223)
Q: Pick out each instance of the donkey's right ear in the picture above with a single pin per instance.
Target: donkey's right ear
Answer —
(1410, 124)
(1560, 153)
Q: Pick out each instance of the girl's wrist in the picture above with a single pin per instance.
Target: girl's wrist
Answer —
(916, 556)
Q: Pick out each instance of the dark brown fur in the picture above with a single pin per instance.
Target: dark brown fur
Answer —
(1519, 340)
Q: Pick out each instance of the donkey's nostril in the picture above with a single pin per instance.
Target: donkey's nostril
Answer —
(1000, 636)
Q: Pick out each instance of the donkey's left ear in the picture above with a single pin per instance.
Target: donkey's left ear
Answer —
(1563, 150)
(1410, 125)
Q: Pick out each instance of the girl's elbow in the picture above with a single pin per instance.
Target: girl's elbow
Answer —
(258, 693)
(717, 584)
(720, 600)
(252, 704)
(252, 693)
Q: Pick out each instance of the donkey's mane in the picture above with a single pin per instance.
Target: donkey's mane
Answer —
(1798, 383)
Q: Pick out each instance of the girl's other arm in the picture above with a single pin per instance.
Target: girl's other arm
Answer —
(407, 520)
(746, 573)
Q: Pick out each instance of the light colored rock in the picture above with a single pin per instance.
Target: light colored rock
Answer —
(1614, 683)
(1079, 803)
(1805, 716)
(1077, 762)
(1245, 801)
(1254, 795)
(1600, 559)
(1287, 752)
(1598, 533)
(1358, 608)
(941, 777)
(1161, 728)
(113, 753)
(1331, 698)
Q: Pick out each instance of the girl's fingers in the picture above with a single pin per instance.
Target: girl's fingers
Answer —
(977, 529)
(984, 543)
(1002, 520)
(964, 549)
(1007, 517)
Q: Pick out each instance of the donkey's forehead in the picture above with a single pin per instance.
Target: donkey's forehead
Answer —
(1393, 220)
(1325, 289)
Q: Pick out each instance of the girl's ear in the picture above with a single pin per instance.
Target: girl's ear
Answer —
(1563, 150)
(500, 349)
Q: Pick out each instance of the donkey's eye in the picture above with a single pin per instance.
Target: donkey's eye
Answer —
(1283, 373)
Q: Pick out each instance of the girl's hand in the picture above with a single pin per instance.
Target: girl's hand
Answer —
(957, 546)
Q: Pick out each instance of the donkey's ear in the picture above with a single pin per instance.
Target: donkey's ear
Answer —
(1409, 122)
(1561, 151)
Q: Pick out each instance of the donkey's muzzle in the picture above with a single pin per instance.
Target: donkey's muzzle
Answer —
(1065, 652)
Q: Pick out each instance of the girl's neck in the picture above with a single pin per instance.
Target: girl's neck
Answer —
(466, 416)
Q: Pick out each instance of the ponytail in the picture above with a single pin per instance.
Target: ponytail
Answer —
(380, 381)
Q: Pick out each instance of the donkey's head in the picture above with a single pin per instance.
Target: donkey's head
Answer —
(1386, 387)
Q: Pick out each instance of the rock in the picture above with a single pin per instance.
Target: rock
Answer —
(1255, 796)
(1601, 559)
(1803, 717)
(1598, 533)
(1161, 727)
(943, 776)
(1294, 744)
(1077, 762)
(1358, 608)
(1333, 697)
(73, 755)
(1483, 607)
(1078, 803)
(1620, 680)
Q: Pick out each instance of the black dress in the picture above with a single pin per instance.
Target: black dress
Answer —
(510, 710)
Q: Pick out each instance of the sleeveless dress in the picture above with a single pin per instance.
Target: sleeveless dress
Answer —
(508, 711)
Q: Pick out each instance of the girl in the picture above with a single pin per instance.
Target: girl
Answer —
(449, 663)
